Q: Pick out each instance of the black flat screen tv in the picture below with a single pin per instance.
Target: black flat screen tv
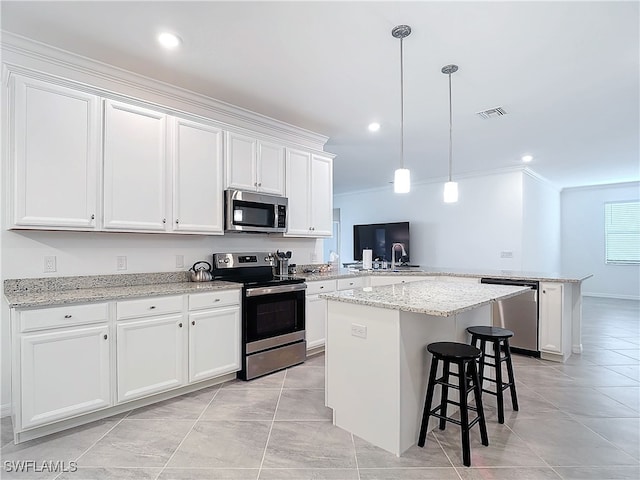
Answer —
(379, 237)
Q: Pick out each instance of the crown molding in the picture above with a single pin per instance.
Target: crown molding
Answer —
(602, 186)
(34, 55)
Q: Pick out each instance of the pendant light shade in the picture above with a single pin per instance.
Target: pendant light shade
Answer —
(402, 177)
(451, 192)
(450, 188)
(402, 181)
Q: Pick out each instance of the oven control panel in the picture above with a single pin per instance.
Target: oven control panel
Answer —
(235, 260)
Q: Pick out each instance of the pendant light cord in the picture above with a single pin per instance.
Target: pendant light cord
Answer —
(450, 131)
(401, 105)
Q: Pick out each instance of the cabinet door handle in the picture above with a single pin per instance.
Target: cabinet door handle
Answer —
(180, 324)
(67, 316)
(152, 307)
(105, 337)
(193, 322)
(216, 300)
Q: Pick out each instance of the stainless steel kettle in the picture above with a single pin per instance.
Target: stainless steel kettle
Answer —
(201, 274)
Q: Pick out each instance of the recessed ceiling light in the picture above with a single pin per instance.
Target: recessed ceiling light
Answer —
(527, 158)
(374, 127)
(169, 40)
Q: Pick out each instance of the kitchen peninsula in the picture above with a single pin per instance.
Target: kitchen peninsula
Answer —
(376, 362)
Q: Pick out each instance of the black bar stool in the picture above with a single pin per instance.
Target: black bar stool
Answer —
(499, 339)
(465, 357)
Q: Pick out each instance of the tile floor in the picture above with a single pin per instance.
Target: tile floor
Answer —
(580, 420)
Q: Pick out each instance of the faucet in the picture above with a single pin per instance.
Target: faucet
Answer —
(403, 253)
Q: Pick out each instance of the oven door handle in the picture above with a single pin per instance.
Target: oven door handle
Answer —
(254, 292)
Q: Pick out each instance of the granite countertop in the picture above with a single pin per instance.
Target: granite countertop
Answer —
(442, 299)
(511, 274)
(41, 292)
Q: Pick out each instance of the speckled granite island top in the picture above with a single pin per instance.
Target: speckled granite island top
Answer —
(42, 292)
(441, 299)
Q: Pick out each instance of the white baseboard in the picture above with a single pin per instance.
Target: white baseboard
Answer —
(5, 410)
(611, 295)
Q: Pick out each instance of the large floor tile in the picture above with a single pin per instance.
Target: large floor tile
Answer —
(137, 443)
(624, 433)
(508, 473)
(431, 455)
(223, 444)
(599, 473)
(273, 380)
(243, 404)
(609, 357)
(409, 474)
(631, 371)
(505, 448)
(628, 396)
(6, 431)
(309, 445)
(299, 404)
(111, 473)
(632, 352)
(185, 407)
(209, 474)
(585, 401)
(595, 376)
(305, 377)
(314, 361)
(309, 474)
(542, 376)
(569, 443)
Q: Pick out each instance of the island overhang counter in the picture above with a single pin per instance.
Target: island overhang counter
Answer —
(376, 360)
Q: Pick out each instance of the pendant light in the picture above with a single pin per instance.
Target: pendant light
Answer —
(402, 176)
(450, 188)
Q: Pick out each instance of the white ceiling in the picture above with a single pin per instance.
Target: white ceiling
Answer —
(567, 73)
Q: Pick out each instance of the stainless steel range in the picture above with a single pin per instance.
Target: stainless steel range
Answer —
(273, 312)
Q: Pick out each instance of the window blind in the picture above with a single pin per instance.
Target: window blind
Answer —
(622, 232)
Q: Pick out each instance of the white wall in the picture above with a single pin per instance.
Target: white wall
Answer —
(469, 234)
(583, 240)
(540, 225)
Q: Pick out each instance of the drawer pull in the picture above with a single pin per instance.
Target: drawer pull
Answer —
(216, 300)
(152, 307)
(321, 287)
(67, 316)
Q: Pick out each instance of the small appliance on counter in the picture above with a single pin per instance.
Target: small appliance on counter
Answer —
(200, 273)
(281, 267)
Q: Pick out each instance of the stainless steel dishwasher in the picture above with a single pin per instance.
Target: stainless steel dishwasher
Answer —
(518, 314)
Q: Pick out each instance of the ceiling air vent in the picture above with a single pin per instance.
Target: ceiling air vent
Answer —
(492, 113)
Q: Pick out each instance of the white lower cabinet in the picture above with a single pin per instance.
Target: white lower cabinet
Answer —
(63, 373)
(150, 356)
(316, 312)
(550, 317)
(214, 343)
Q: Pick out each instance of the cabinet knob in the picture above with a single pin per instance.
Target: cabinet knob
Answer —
(105, 337)
(67, 316)
(93, 217)
(259, 184)
(216, 300)
(255, 184)
(177, 221)
(544, 291)
(193, 322)
(164, 220)
(321, 287)
(180, 324)
(152, 307)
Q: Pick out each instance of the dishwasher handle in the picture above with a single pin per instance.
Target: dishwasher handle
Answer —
(508, 281)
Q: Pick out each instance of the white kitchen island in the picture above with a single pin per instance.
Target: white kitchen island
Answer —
(376, 360)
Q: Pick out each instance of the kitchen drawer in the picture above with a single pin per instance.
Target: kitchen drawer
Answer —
(347, 283)
(200, 301)
(146, 307)
(322, 286)
(44, 318)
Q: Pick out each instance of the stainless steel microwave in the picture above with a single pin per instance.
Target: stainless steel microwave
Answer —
(254, 212)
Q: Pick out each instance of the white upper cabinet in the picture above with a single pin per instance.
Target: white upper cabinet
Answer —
(55, 156)
(135, 168)
(254, 165)
(197, 178)
(310, 192)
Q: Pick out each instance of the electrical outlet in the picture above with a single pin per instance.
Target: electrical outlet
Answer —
(121, 263)
(179, 261)
(49, 263)
(506, 254)
(358, 330)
